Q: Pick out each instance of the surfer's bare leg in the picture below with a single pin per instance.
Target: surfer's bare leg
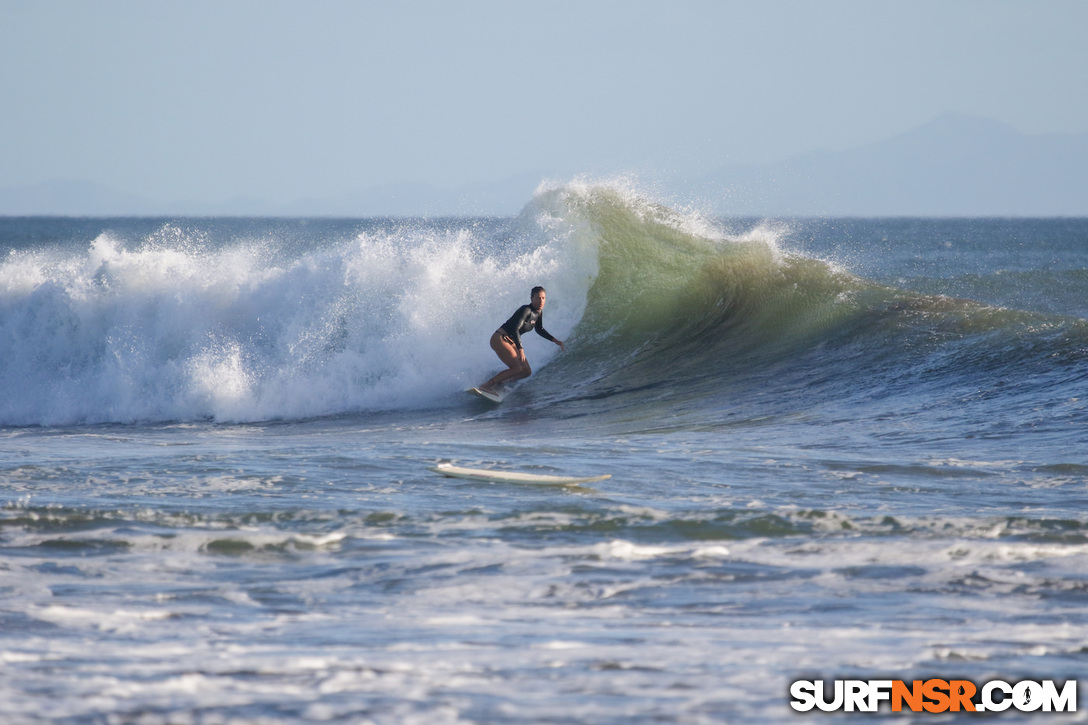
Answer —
(508, 376)
(514, 360)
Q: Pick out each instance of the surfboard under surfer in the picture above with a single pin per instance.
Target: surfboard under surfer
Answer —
(506, 341)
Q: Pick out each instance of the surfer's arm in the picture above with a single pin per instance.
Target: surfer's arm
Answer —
(547, 335)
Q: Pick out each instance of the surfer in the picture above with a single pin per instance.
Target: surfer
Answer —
(506, 341)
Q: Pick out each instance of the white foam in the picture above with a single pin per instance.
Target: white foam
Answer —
(177, 330)
(478, 618)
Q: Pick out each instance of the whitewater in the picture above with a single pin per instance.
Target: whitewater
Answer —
(186, 327)
(838, 448)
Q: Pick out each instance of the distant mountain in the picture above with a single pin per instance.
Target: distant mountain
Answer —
(84, 198)
(953, 166)
(71, 198)
(502, 198)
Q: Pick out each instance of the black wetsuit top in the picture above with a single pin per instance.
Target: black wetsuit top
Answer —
(525, 319)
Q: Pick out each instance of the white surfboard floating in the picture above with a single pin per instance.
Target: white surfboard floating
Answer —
(493, 476)
(493, 397)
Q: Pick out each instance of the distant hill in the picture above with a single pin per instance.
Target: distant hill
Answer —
(71, 198)
(953, 166)
(503, 198)
(85, 198)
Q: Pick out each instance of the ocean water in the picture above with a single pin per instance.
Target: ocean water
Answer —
(839, 448)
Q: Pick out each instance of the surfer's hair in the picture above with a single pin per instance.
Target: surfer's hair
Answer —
(534, 290)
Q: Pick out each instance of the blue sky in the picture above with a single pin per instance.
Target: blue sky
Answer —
(286, 100)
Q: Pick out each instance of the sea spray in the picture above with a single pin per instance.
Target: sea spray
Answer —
(182, 328)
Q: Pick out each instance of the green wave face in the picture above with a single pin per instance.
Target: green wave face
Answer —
(677, 300)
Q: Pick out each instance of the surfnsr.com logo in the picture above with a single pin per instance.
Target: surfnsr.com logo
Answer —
(934, 695)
